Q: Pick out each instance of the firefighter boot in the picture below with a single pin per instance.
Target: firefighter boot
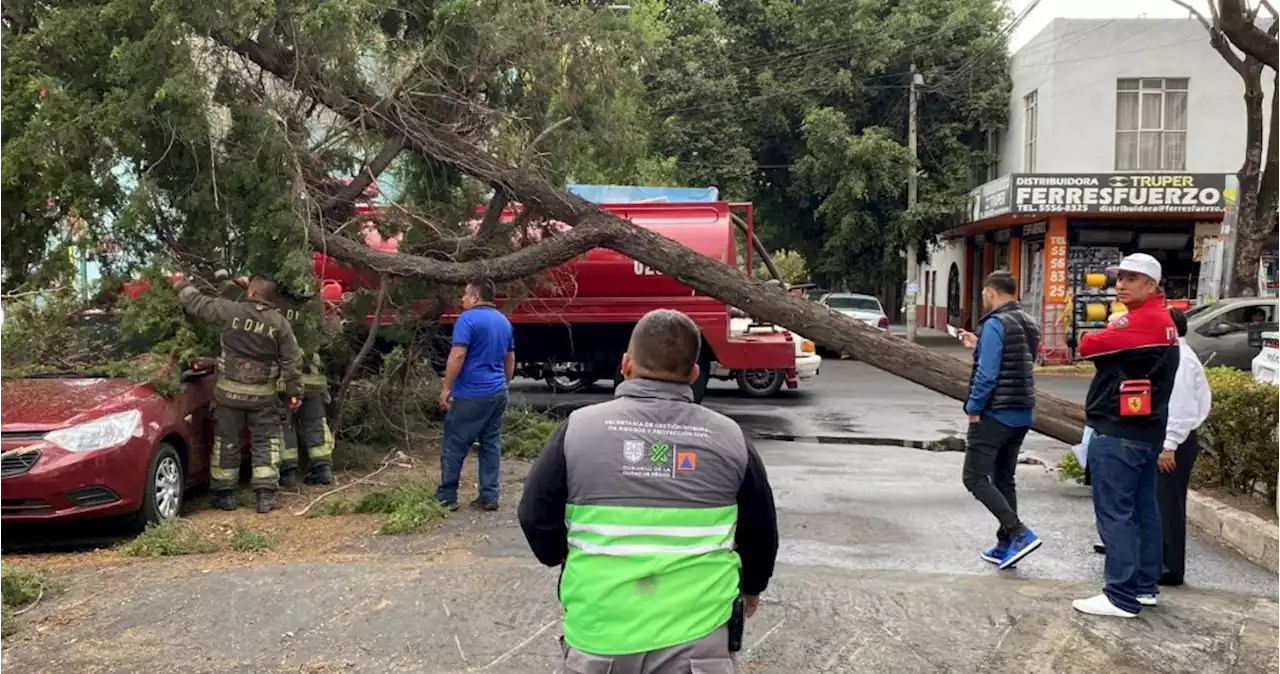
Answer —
(320, 474)
(289, 478)
(224, 499)
(266, 501)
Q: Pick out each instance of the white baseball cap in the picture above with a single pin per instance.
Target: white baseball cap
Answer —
(1140, 263)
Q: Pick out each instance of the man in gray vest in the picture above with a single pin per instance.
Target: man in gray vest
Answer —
(1001, 406)
(660, 515)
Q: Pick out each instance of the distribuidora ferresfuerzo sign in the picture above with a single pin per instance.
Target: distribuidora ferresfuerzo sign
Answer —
(1118, 193)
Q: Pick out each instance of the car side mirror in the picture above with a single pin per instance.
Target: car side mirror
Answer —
(1220, 329)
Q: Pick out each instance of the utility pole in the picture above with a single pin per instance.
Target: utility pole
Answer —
(913, 269)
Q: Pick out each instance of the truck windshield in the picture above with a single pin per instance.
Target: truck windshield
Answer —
(855, 303)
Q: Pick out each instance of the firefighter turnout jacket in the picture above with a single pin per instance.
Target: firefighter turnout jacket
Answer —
(659, 512)
(258, 348)
(313, 377)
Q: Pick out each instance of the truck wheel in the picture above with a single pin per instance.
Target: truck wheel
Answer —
(760, 383)
(569, 382)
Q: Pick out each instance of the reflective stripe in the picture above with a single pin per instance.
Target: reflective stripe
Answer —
(627, 550)
(264, 472)
(645, 530)
(223, 474)
(325, 449)
(246, 389)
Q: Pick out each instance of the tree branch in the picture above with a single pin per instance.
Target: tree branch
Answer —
(592, 227)
(1217, 40)
(340, 397)
(362, 180)
(1246, 35)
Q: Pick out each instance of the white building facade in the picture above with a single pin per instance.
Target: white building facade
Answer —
(1123, 135)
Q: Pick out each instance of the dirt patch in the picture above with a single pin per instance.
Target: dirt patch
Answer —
(292, 538)
(1254, 505)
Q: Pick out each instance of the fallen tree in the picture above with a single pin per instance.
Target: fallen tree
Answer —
(590, 227)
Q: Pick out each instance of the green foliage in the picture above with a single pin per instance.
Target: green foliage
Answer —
(1069, 468)
(525, 432)
(1239, 437)
(408, 506)
(245, 539)
(167, 539)
(397, 402)
(20, 586)
(790, 265)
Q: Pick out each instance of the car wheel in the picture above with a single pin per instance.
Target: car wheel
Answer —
(165, 487)
(760, 383)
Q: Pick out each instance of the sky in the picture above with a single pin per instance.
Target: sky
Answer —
(1048, 10)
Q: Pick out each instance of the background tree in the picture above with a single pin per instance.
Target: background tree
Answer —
(224, 126)
(1259, 173)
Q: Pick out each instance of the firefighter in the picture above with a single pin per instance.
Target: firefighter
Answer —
(258, 347)
(307, 427)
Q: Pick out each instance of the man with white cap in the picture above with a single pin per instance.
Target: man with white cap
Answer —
(1136, 360)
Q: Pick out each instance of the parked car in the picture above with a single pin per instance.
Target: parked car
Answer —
(865, 308)
(765, 383)
(80, 445)
(1266, 365)
(1219, 332)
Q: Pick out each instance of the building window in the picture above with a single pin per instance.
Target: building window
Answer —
(1151, 124)
(1029, 127)
(993, 149)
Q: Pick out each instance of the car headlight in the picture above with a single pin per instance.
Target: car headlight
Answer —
(108, 431)
(807, 346)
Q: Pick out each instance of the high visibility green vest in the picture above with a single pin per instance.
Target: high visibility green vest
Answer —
(643, 578)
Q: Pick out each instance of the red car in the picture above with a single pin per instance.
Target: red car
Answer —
(80, 444)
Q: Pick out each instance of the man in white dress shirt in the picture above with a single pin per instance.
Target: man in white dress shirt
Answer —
(1188, 408)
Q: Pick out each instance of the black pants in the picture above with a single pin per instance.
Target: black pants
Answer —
(990, 459)
(1171, 494)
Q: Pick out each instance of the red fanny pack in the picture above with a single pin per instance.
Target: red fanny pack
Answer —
(1135, 398)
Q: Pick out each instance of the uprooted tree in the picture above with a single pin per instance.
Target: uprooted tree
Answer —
(213, 135)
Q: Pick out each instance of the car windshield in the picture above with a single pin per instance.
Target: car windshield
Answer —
(853, 302)
(88, 340)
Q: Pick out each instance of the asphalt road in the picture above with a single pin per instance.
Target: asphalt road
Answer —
(878, 571)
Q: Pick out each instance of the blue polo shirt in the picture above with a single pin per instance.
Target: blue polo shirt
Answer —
(488, 336)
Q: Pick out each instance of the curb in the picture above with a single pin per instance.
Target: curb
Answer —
(1255, 538)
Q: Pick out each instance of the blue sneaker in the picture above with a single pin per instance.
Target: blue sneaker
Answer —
(1022, 545)
(996, 555)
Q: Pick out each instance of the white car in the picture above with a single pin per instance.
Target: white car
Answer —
(764, 383)
(864, 308)
(1266, 365)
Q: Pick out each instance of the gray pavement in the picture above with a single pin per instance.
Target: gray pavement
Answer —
(878, 571)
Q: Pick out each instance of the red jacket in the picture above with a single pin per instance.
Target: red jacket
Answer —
(1142, 344)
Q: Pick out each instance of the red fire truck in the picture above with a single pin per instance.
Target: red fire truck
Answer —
(572, 329)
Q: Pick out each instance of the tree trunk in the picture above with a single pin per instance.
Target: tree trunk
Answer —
(592, 227)
(1250, 233)
(1238, 25)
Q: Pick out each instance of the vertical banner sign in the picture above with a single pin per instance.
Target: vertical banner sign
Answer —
(1055, 277)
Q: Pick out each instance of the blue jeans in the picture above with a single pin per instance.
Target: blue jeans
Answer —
(469, 420)
(1124, 503)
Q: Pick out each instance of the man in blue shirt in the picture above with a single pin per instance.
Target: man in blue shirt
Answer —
(1001, 405)
(474, 394)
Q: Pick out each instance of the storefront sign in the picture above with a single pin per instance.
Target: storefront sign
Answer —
(1118, 193)
(1055, 278)
(990, 199)
(1034, 229)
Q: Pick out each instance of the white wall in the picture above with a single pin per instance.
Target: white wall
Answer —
(1073, 64)
(941, 255)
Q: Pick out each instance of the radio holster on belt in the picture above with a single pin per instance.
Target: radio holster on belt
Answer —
(737, 623)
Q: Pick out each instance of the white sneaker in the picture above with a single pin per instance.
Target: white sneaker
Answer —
(1101, 605)
(1148, 599)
